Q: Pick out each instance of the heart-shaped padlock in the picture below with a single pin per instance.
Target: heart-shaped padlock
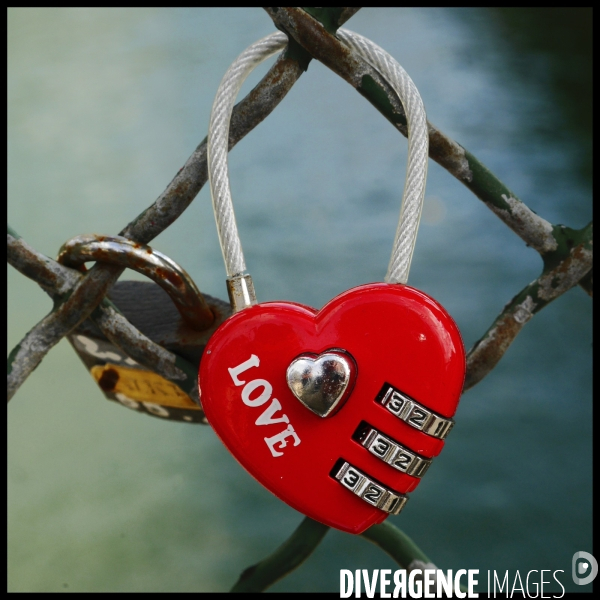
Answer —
(338, 412)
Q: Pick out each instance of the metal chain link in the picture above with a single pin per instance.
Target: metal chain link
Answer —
(418, 149)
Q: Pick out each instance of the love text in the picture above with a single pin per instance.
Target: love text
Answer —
(257, 392)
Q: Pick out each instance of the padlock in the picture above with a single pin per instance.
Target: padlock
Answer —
(338, 411)
(169, 310)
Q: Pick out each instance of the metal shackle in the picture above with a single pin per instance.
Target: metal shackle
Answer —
(158, 267)
(240, 286)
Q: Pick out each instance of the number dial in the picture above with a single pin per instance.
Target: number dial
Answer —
(393, 453)
(396, 334)
(411, 412)
(368, 490)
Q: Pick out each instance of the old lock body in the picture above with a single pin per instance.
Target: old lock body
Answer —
(167, 314)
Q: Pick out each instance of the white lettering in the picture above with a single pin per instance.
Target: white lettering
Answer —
(400, 583)
(457, 577)
(520, 588)
(535, 583)
(473, 582)
(266, 418)
(263, 396)
(415, 583)
(559, 583)
(258, 392)
(280, 439)
(504, 582)
(370, 585)
(542, 582)
(253, 361)
(384, 582)
(346, 583)
(444, 582)
(428, 583)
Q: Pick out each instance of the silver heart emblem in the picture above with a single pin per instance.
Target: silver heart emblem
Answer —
(322, 382)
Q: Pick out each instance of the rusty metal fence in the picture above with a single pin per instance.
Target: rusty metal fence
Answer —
(79, 295)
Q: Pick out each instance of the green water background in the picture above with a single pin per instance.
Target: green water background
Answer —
(104, 106)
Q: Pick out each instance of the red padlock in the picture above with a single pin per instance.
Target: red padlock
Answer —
(339, 411)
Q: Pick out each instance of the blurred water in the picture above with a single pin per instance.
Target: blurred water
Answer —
(104, 106)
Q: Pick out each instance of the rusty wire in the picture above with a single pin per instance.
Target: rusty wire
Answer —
(88, 293)
(353, 68)
(570, 262)
(551, 284)
(567, 255)
(318, 42)
(58, 281)
(149, 262)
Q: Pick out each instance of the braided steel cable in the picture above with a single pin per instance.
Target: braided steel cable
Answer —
(418, 148)
(218, 145)
(418, 151)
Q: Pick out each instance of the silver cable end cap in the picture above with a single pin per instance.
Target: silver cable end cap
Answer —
(241, 292)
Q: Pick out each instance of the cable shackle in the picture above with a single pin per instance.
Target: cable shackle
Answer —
(240, 285)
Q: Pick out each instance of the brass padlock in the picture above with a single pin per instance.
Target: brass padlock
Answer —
(170, 310)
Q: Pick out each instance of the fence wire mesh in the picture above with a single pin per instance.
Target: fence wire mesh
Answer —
(566, 253)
